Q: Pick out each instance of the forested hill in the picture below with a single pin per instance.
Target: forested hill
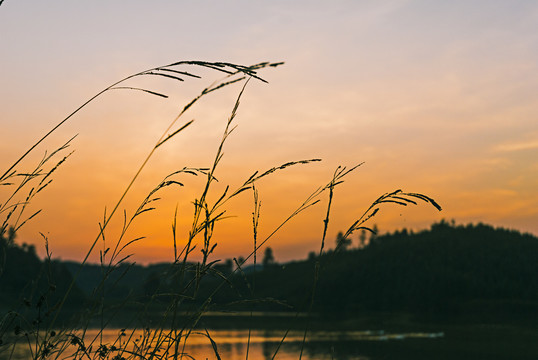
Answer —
(473, 269)
(29, 284)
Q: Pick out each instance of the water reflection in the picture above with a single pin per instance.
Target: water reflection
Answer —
(230, 344)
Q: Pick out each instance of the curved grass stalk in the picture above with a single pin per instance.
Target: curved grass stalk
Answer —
(230, 69)
(227, 68)
(205, 217)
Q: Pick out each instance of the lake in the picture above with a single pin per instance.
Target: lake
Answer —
(233, 344)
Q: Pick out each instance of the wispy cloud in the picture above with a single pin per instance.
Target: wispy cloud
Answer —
(518, 146)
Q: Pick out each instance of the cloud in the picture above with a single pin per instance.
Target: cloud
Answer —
(518, 146)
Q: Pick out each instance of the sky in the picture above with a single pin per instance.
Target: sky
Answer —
(438, 98)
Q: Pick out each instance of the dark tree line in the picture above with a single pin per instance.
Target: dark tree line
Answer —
(446, 270)
(30, 286)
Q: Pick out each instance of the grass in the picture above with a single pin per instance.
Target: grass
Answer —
(167, 339)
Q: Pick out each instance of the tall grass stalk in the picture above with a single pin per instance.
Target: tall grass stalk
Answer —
(179, 320)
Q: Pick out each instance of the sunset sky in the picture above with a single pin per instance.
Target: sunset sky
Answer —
(434, 97)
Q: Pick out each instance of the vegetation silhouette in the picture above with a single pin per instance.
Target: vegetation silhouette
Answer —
(468, 271)
(168, 300)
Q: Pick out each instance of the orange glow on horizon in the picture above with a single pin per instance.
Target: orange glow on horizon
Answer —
(438, 99)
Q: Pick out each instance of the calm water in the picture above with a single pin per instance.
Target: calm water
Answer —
(263, 344)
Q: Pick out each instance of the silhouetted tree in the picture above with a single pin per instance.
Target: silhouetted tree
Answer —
(7, 238)
(362, 239)
(373, 234)
(268, 257)
(342, 243)
(229, 265)
(26, 278)
(6, 242)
